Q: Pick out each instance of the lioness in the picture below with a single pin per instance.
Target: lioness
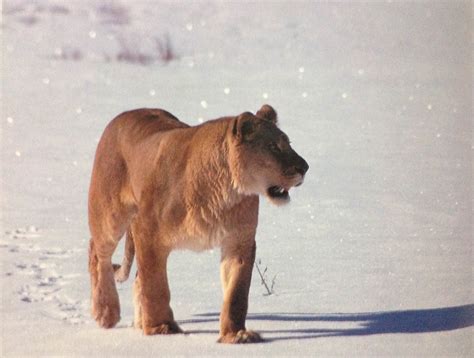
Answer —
(171, 186)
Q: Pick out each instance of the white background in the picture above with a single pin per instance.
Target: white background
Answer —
(373, 256)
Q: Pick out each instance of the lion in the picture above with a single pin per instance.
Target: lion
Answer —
(168, 186)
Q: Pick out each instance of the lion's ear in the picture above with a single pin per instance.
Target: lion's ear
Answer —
(244, 127)
(267, 112)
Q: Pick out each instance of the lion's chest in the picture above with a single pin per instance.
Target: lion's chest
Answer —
(203, 227)
(197, 236)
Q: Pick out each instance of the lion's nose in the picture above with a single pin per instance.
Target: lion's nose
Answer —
(302, 167)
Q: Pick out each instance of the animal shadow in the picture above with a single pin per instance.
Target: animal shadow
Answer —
(406, 321)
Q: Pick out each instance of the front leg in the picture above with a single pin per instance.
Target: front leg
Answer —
(236, 273)
(152, 295)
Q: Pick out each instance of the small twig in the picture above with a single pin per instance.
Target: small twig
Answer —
(270, 290)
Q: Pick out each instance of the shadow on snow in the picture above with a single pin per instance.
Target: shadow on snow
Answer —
(409, 321)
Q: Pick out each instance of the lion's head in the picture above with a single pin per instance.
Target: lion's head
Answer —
(261, 157)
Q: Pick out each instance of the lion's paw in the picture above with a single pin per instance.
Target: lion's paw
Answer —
(165, 328)
(107, 316)
(242, 336)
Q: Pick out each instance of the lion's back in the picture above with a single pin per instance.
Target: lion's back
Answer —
(136, 125)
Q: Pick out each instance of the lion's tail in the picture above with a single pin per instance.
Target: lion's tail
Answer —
(121, 272)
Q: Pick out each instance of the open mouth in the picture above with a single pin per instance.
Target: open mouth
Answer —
(277, 192)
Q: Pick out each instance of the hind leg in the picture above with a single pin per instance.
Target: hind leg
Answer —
(105, 300)
(111, 207)
(106, 229)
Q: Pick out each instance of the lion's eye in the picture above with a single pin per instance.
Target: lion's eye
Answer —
(274, 147)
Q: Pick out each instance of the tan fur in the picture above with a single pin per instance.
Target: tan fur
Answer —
(170, 186)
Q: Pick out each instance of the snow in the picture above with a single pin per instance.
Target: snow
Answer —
(372, 257)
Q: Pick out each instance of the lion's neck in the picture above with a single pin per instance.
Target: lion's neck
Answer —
(212, 191)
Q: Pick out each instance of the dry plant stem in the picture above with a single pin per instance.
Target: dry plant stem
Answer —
(269, 291)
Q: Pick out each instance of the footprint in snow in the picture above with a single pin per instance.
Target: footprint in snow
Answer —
(44, 285)
(30, 232)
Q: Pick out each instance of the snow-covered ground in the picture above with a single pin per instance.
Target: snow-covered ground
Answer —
(374, 254)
